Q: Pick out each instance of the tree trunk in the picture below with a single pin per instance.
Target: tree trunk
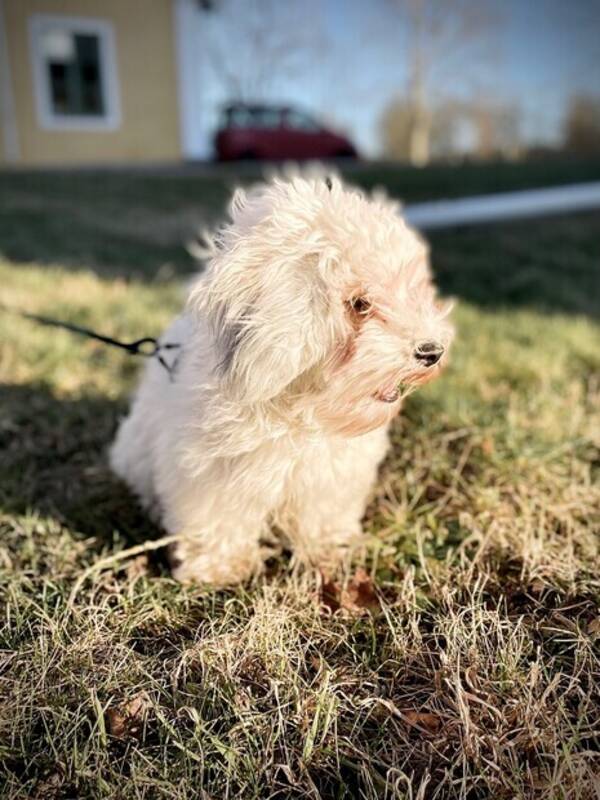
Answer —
(420, 119)
(419, 137)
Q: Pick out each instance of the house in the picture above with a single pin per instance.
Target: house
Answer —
(101, 81)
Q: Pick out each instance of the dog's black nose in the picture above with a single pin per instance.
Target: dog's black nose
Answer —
(429, 353)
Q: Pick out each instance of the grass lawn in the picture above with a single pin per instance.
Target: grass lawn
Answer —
(459, 657)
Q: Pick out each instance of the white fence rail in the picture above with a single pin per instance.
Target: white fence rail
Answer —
(509, 205)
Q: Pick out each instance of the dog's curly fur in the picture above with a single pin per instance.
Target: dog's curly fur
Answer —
(314, 316)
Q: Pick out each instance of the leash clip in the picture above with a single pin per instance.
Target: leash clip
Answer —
(152, 348)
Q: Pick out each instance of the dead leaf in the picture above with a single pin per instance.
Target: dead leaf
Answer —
(358, 597)
(487, 445)
(315, 662)
(137, 567)
(423, 720)
(127, 719)
(360, 594)
(537, 586)
(593, 627)
(116, 723)
(329, 594)
(48, 787)
(471, 677)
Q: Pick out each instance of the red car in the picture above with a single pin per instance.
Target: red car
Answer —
(268, 132)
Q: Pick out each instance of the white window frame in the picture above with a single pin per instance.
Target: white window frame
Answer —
(48, 119)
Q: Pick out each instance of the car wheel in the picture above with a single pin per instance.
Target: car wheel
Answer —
(345, 152)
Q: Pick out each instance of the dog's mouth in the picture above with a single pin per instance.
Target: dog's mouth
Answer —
(393, 392)
(390, 394)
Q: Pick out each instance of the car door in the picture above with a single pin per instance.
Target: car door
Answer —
(302, 134)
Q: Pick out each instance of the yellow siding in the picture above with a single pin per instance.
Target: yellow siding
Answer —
(146, 70)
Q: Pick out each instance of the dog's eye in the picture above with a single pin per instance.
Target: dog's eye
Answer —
(359, 305)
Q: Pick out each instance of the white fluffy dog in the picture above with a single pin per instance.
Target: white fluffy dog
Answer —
(314, 317)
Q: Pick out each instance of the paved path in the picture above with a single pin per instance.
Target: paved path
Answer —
(508, 205)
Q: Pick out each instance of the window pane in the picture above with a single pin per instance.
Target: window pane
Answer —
(58, 86)
(301, 122)
(88, 56)
(268, 118)
(240, 118)
(73, 63)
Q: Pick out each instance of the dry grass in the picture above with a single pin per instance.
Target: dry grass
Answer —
(463, 662)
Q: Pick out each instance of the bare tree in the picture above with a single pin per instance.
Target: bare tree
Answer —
(396, 128)
(442, 35)
(480, 129)
(582, 125)
(254, 44)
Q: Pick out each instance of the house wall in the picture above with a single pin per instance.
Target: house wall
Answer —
(197, 117)
(146, 71)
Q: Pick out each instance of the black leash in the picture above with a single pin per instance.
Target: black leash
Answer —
(147, 347)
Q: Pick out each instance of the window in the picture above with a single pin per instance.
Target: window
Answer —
(74, 73)
(253, 117)
(301, 122)
(239, 117)
(268, 118)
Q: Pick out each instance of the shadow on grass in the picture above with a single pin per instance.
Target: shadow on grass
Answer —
(31, 235)
(126, 224)
(54, 464)
(136, 224)
(551, 265)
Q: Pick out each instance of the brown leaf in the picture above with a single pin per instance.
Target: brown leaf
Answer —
(315, 662)
(49, 787)
(593, 627)
(487, 445)
(127, 719)
(137, 567)
(329, 594)
(537, 586)
(423, 720)
(116, 723)
(471, 677)
(360, 594)
(358, 597)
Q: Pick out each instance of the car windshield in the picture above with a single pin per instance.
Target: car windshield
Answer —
(248, 117)
(301, 121)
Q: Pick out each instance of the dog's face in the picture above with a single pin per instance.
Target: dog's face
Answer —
(321, 299)
(396, 336)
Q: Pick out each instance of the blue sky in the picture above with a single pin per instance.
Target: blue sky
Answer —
(352, 60)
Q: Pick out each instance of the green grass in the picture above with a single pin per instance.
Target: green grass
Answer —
(136, 223)
(473, 672)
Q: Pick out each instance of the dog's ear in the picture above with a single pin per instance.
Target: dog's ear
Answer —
(265, 297)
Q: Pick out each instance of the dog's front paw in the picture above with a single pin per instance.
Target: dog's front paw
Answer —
(331, 548)
(216, 569)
